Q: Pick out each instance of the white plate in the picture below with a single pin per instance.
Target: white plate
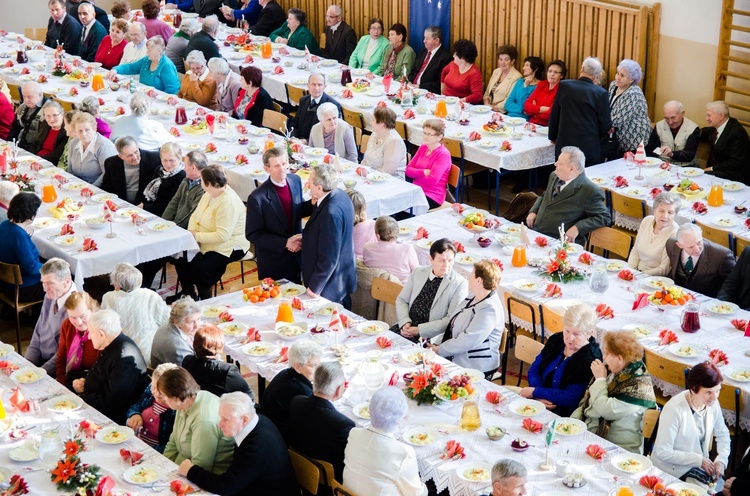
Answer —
(416, 356)
(514, 121)
(290, 289)
(374, 92)
(658, 283)
(451, 99)
(740, 375)
(724, 222)
(527, 408)
(64, 404)
(465, 259)
(653, 161)
(290, 332)
(690, 171)
(213, 311)
(233, 328)
(487, 144)
(261, 131)
(425, 244)
(733, 186)
(481, 109)
(24, 453)
(6, 349)
(362, 410)
(69, 241)
(142, 474)
(570, 427)
(366, 105)
(511, 229)
(616, 265)
(642, 463)
(75, 186)
(44, 222)
(723, 308)
(463, 471)
(161, 225)
(259, 350)
(420, 436)
(360, 72)
(114, 435)
(377, 177)
(96, 222)
(457, 135)
(684, 350)
(28, 375)
(328, 62)
(317, 152)
(636, 192)
(687, 488)
(103, 197)
(129, 211)
(405, 230)
(640, 330)
(372, 327)
(527, 285)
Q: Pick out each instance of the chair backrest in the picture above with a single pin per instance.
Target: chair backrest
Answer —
(305, 471)
(665, 369)
(520, 206)
(454, 175)
(273, 120)
(552, 321)
(363, 142)
(322, 39)
(610, 241)
(730, 398)
(342, 490)
(294, 94)
(10, 274)
(402, 130)
(718, 236)
(385, 290)
(455, 147)
(650, 422)
(739, 245)
(527, 311)
(67, 106)
(527, 349)
(358, 135)
(354, 118)
(626, 205)
(15, 93)
(38, 34)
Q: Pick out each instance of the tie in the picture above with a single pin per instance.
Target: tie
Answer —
(55, 308)
(83, 35)
(558, 187)
(714, 136)
(689, 265)
(422, 67)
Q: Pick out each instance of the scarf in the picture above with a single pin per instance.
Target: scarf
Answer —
(390, 66)
(152, 189)
(74, 360)
(180, 34)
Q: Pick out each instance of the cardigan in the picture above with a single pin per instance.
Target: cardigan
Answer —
(649, 253)
(16, 247)
(202, 92)
(196, 436)
(90, 355)
(220, 223)
(278, 395)
(203, 42)
(502, 92)
(393, 148)
(167, 190)
(397, 258)
(141, 312)
(227, 92)
(405, 56)
(439, 162)
(343, 142)
(183, 203)
(363, 233)
(108, 55)
(542, 96)
(467, 85)
(90, 166)
(176, 50)
(44, 345)
(301, 38)
(517, 98)
(133, 53)
(255, 113)
(163, 78)
(148, 133)
(630, 116)
(156, 27)
(166, 419)
(357, 59)
(6, 116)
(684, 144)
(59, 146)
(170, 345)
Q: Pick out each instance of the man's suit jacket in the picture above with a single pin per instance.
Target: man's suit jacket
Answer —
(261, 466)
(100, 14)
(307, 115)
(430, 79)
(68, 35)
(318, 430)
(91, 44)
(340, 43)
(279, 394)
(114, 175)
(736, 288)
(204, 43)
(205, 8)
(580, 117)
(328, 267)
(266, 226)
(580, 204)
(730, 154)
(709, 272)
(271, 18)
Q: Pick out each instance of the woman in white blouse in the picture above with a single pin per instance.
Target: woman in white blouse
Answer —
(386, 150)
(649, 253)
(88, 150)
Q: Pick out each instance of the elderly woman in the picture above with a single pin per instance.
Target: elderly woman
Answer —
(141, 310)
(628, 106)
(461, 78)
(533, 72)
(150, 417)
(473, 334)
(649, 253)
(398, 57)
(174, 340)
(561, 372)
(375, 462)
(209, 370)
(503, 79)
(386, 150)
(7, 191)
(370, 48)
(364, 228)
(229, 84)
(335, 135)
(17, 248)
(6, 115)
(177, 45)
(148, 133)
(51, 140)
(304, 357)
(112, 46)
(252, 100)
(121, 10)
(76, 353)
(614, 403)
(167, 178)
(689, 424)
(386, 253)
(70, 131)
(155, 69)
(294, 33)
(150, 19)
(196, 435)
(90, 105)
(197, 84)
(88, 150)
(539, 104)
(431, 165)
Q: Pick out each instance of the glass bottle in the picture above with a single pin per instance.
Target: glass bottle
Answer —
(599, 281)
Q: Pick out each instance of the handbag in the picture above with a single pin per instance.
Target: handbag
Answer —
(610, 145)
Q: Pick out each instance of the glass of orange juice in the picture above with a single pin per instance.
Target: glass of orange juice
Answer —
(284, 314)
(624, 488)
(716, 194)
(97, 83)
(519, 256)
(441, 109)
(266, 49)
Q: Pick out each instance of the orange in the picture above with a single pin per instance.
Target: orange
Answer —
(253, 298)
(668, 298)
(261, 299)
(258, 291)
(266, 294)
(274, 292)
(659, 486)
(658, 294)
(470, 226)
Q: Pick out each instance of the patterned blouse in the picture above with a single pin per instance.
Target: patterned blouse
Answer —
(630, 116)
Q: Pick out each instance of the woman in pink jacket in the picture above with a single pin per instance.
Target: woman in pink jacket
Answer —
(387, 253)
(431, 164)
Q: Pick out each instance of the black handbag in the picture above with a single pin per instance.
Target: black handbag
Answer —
(610, 145)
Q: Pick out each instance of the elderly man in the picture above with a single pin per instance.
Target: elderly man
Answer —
(261, 463)
(128, 173)
(580, 113)
(736, 287)
(62, 29)
(204, 40)
(696, 263)
(58, 285)
(271, 17)
(508, 478)
(316, 428)
(229, 83)
(728, 142)
(100, 14)
(178, 43)
(274, 221)
(431, 61)
(8, 190)
(119, 375)
(29, 116)
(328, 268)
(136, 47)
(340, 37)
(571, 199)
(307, 113)
(676, 137)
(92, 32)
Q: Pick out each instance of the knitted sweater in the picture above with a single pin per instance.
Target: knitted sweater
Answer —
(90, 354)
(141, 311)
(42, 350)
(183, 204)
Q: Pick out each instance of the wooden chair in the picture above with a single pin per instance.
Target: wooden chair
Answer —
(739, 245)
(628, 206)
(10, 274)
(322, 40)
(402, 130)
(248, 257)
(277, 106)
(293, 97)
(456, 149)
(306, 472)
(526, 351)
(730, 398)
(363, 140)
(650, 425)
(610, 241)
(67, 106)
(275, 121)
(15, 93)
(354, 118)
(342, 490)
(718, 236)
(385, 291)
(667, 370)
(552, 321)
(38, 34)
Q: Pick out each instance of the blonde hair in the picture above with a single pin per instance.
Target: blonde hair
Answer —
(580, 317)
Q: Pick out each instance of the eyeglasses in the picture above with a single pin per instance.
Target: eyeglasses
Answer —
(332, 16)
(53, 116)
(431, 135)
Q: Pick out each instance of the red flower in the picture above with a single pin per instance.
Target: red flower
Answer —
(73, 447)
(421, 381)
(17, 486)
(65, 470)
(553, 267)
(562, 254)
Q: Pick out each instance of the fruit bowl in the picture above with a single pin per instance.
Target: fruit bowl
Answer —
(519, 445)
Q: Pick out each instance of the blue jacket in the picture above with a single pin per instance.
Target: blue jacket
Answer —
(164, 78)
(518, 96)
(166, 419)
(16, 247)
(251, 13)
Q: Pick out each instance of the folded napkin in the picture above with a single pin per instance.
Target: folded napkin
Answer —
(18, 401)
(475, 136)
(667, 337)
(180, 488)
(438, 369)
(130, 456)
(88, 428)
(394, 379)
(459, 247)
(541, 241)
(453, 451)
(595, 451)
(640, 301)
(225, 317)
(718, 357)
(739, 324)
(494, 397)
(625, 275)
(422, 233)
(17, 486)
(7, 367)
(498, 262)
(585, 258)
(532, 425)
(649, 481)
(105, 487)
(297, 304)
(604, 311)
(89, 245)
(384, 342)
(283, 355)
(552, 291)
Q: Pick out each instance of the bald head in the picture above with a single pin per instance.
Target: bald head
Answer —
(674, 114)
(32, 94)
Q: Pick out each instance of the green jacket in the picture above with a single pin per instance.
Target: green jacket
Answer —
(183, 203)
(302, 37)
(405, 56)
(357, 59)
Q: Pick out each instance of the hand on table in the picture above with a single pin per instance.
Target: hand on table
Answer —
(312, 294)
(530, 220)
(78, 385)
(135, 422)
(111, 75)
(598, 369)
(184, 467)
(548, 404)
(434, 348)
(279, 39)
(408, 331)
(571, 234)
(527, 392)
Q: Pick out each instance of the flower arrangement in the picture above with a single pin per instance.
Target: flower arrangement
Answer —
(422, 388)
(72, 475)
(560, 269)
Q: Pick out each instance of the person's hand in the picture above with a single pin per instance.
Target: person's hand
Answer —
(530, 220)
(312, 294)
(719, 468)
(281, 40)
(543, 109)
(78, 385)
(370, 75)
(598, 369)
(140, 205)
(727, 491)
(111, 75)
(292, 245)
(434, 348)
(193, 77)
(527, 392)
(571, 234)
(427, 172)
(548, 404)
(666, 151)
(184, 467)
(708, 466)
(135, 422)
(408, 331)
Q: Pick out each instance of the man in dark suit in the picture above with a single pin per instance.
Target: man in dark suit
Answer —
(328, 268)
(261, 464)
(729, 143)
(62, 29)
(696, 263)
(736, 288)
(273, 222)
(203, 40)
(100, 14)
(307, 113)
(430, 62)
(580, 114)
(316, 428)
(571, 199)
(130, 161)
(271, 18)
(92, 32)
(205, 8)
(340, 37)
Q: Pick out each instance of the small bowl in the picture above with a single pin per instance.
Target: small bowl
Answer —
(495, 433)
(114, 86)
(519, 445)
(83, 84)
(739, 209)
(350, 183)
(243, 140)
(253, 149)
(516, 136)
(35, 55)
(288, 63)
(484, 242)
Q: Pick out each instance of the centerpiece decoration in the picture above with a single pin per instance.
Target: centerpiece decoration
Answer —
(61, 68)
(559, 268)
(422, 387)
(71, 474)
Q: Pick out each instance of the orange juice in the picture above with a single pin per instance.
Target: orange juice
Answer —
(624, 491)
(266, 50)
(48, 193)
(519, 256)
(284, 313)
(716, 195)
(97, 83)
(268, 144)
(441, 109)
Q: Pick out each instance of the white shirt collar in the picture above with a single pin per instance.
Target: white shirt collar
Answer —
(90, 24)
(280, 185)
(61, 300)
(203, 76)
(434, 51)
(245, 431)
(335, 26)
(320, 200)
(62, 19)
(684, 257)
(720, 129)
(90, 148)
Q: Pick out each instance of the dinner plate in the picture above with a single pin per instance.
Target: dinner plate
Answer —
(419, 436)
(366, 105)
(574, 248)
(257, 172)
(259, 350)
(690, 171)
(316, 152)
(474, 471)
(24, 453)
(69, 241)
(290, 290)
(451, 99)
(142, 474)
(652, 161)
(405, 230)
(640, 330)
(476, 375)
(631, 463)
(326, 310)
(616, 265)
(372, 327)
(117, 434)
(542, 130)
(378, 177)
(487, 144)
(481, 109)
(514, 121)
(733, 186)
(724, 222)
(360, 72)
(160, 225)
(684, 350)
(527, 285)
(28, 375)
(657, 282)
(213, 311)
(362, 410)
(103, 197)
(233, 328)
(328, 62)
(129, 212)
(740, 375)
(5, 350)
(261, 131)
(417, 356)
(465, 259)
(687, 489)
(511, 228)
(75, 186)
(457, 135)
(527, 408)
(49, 171)
(44, 222)
(635, 192)
(569, 427)
(64, 404)
(723, 308)
(507, 239)
(374, 92)
(425, 244)
(290, 331)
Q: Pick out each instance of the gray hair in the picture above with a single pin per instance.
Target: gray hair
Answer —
(90, 105)
(387, 408)
(326, 176)
(53, 104)
(217, 65)
(336, 9)
(327, 379)
(317, 75)
(182, 309)
(719, 107)
(507, 468)
(171, 147)
(198, 159)
(386, 228)
(240, 403)
(580, 317)
(576, 156)
(302, 351)
(189, 26)
(158, 41)
(107, 321)
(633, 69)
(86, 6)
(56, 266)
(140, 25)
(32, 87)
(8, 190)
(161, 368)
(124, 141)
(667, 198)
(434, 31)
(139, 103)
(688, 228)
(677, 105)
(196, 57)
(210, 24)
(592, 66)
(327, 109)
(127, 277)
